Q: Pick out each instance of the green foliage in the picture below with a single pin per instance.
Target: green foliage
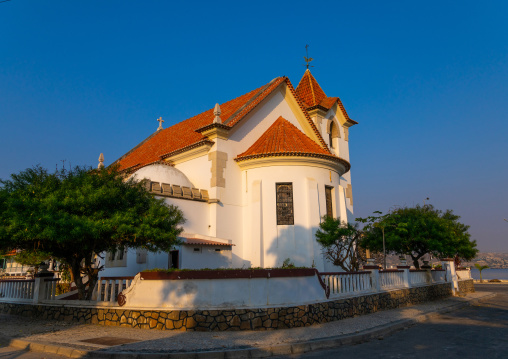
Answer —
(288, 264)
(480, 268)
(416, 231)
(339, 241)
(32, 258)
(78, 213)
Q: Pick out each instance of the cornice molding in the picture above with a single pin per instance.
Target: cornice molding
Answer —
(337, 164)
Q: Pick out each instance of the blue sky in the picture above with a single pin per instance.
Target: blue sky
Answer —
(426, 80)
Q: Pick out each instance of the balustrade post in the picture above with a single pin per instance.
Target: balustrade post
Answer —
(39, 285)
(451, 275)
(374, 277)
(405, 276)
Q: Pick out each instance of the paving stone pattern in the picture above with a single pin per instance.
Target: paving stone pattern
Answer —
(237, 319)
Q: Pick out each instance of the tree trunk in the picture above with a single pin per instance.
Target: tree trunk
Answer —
(415, 259)
(75, 269)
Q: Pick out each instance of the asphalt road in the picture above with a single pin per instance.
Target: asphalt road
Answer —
(479, 331)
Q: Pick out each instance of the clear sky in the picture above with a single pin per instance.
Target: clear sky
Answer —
(426, 80)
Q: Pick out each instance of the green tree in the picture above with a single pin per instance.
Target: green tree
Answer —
(75, 215)
(416, 231)
(32, 258)
(339, 243)
(480, 268)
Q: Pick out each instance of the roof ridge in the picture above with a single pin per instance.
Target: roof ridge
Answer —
(259, 93)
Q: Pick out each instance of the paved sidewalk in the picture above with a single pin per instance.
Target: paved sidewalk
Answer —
(79, 340)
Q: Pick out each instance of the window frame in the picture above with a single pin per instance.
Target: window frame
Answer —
(285, 210)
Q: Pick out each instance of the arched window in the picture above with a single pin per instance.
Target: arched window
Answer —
(334, 133)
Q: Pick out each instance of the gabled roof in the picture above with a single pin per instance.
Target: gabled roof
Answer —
(313, 96)
(283, 138)
(185, 135)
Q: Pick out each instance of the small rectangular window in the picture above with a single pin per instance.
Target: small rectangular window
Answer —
(329, 201)
(285, 212)
(197, 249)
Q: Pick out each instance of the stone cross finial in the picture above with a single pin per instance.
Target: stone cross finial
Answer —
(160, 123)
(101, 161)
(216, 112)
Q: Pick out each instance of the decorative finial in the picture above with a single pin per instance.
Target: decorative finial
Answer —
(216, 112)
(307, 58)
(160, 123)
(101, 161)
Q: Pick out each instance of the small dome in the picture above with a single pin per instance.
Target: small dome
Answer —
(162, 173)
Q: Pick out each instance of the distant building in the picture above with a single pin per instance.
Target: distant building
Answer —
(253, 176)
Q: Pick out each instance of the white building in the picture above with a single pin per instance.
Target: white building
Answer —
(253, 177)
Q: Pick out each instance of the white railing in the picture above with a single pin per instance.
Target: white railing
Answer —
(418, 277)
(464, 274)
(19, 290)
(50, 288)
(438, 276)
(347, 283)
(391, 279)
(108, 288)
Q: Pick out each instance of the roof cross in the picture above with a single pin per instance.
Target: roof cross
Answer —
(160, 123)
(307, 58)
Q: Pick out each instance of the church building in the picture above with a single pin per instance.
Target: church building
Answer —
(253, 176)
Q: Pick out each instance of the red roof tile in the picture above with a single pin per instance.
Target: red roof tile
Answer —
(184, 134)
(283, 137)
(204, 242)
(312, 95)
(309, 90)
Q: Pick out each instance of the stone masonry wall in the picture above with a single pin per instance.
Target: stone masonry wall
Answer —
(466, 286)
(235, 319)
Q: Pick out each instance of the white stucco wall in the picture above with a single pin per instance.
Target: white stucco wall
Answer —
(268, 244)
(245, 213)
(225, 293)
(207, 257)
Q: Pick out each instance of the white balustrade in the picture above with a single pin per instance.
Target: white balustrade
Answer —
(17, 290)
(438, 276)
(50, 288)
(391, 279)
(347, 283)
(108, 288)
(418, 277)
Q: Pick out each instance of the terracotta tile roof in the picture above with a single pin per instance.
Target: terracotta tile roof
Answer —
(184, 135)
(282, 137)
(313, 95)
(309, 90)
(203, 242)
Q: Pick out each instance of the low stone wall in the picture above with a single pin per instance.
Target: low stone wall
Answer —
(236, 319)
(466, 286)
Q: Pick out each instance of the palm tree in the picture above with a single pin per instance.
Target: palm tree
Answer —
(480, 268)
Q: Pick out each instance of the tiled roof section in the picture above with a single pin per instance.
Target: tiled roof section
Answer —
(183, 134)
(283, 137)
(328, 102)
(204, 242)
(311, 94)
(309, 90)
(244, 108)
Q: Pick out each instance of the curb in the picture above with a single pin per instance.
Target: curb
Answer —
(260, 352)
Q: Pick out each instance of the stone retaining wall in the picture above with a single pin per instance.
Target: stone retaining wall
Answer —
(235, 319)
(466, 286)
